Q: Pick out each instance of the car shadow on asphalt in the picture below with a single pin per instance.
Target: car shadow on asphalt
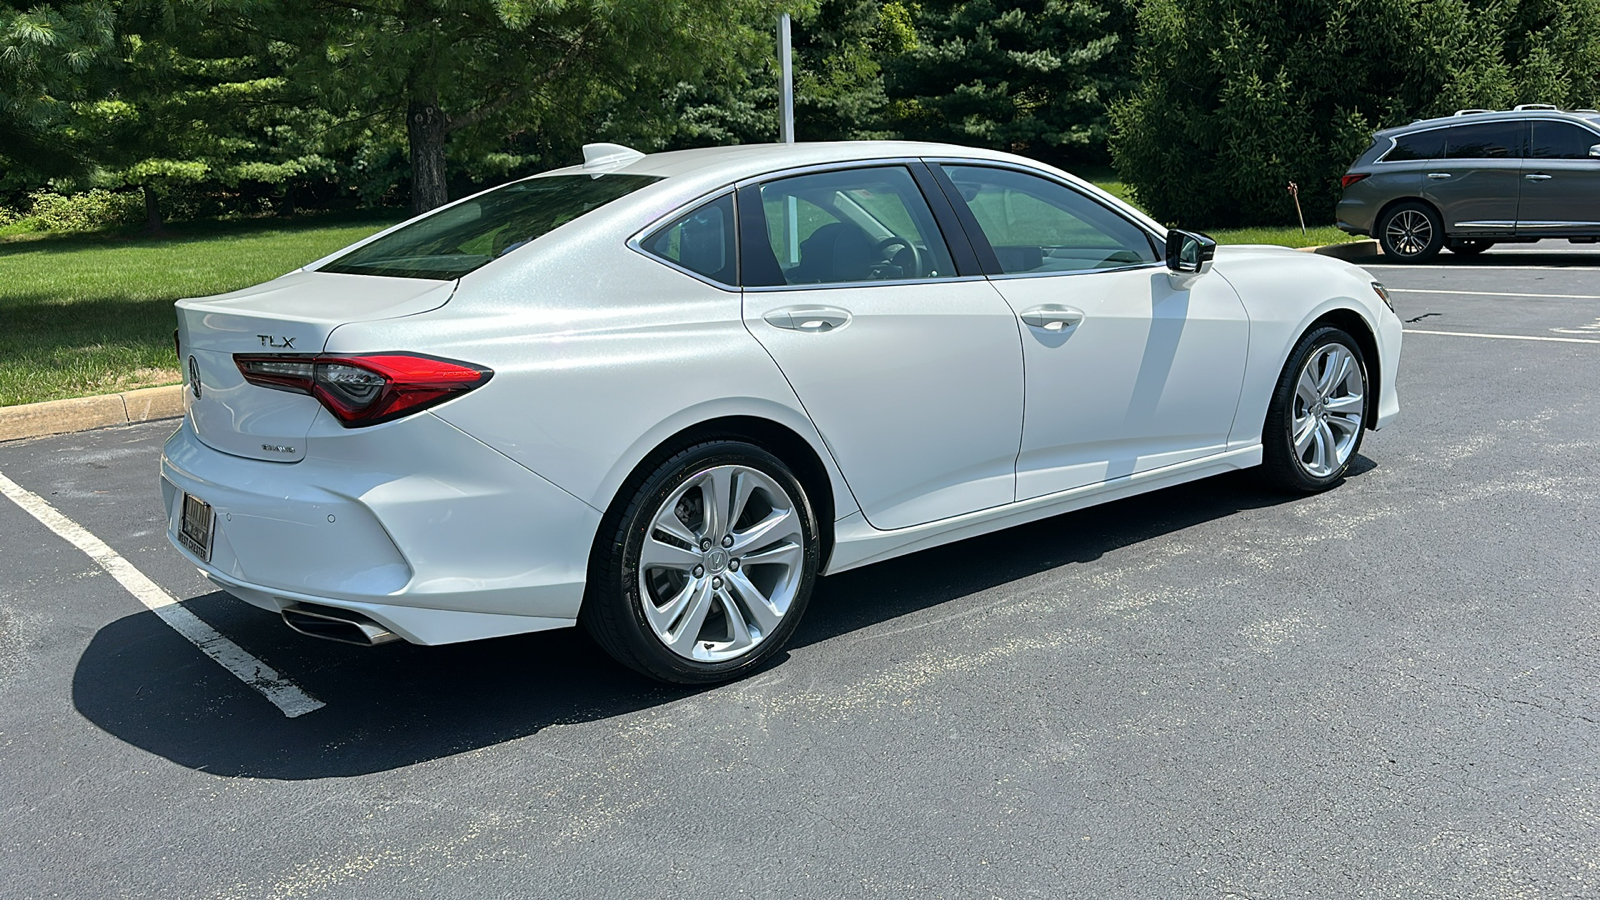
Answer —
(399, 705)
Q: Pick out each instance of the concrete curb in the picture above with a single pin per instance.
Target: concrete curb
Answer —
(1352, 251)
(83, 413)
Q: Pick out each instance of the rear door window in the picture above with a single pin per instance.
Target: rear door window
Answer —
(1420, 145)
(701, 242)
(1489, 140)
(1561, 140)
(849, 226)
(461, 238)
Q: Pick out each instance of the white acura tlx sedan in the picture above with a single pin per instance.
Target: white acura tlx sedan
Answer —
(659, 395)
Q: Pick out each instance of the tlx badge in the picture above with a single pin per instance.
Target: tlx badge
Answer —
(279, 343)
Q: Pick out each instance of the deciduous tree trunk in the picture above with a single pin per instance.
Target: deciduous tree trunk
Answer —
(152, 210)
(427, 126)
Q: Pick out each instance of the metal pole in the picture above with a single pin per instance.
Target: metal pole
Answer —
(786, 101)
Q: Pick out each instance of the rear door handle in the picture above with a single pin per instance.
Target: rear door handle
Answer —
(1437, 176)
(1539, 177)
(1052, 317)
(813, 319)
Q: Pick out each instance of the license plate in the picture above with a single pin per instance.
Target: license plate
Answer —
(195, 530)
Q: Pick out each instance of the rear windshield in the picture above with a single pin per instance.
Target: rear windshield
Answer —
(468, 235)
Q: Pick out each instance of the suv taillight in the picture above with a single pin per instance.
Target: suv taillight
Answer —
(1352, 178)
(364, 388)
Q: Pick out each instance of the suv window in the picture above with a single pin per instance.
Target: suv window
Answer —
(1488, 140)
(1561, 140)
(455, 241)
(701, 241)
(853, 225)
(1420, 145)
(1038, 225)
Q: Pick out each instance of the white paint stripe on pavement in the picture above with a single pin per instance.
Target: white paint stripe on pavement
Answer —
(1506, 337)
(283, 693)
(1493, 294)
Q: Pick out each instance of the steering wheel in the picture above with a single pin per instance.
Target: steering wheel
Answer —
(882, 249)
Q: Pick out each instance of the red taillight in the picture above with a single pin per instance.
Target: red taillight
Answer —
(1352, 178)
(368, 388)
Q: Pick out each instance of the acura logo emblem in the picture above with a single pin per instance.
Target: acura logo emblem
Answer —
(194, 378)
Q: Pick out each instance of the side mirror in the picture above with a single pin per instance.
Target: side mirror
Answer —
(1594, 152)
(1189, 253)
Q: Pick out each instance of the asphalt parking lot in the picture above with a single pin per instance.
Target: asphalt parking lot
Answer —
(1388, 690)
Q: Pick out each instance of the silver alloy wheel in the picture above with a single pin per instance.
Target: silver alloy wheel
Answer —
(1329, 405)
(721, 563)
(1409, 232)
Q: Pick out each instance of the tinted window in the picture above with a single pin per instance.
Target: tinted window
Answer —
(1038, 225)
(1421, 145)
(451, 243)
(701, 241)
(1561, 140)
(849, 226)
(1491, 140)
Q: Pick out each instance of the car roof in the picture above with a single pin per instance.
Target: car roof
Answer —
(1586, 117)
(740, 161)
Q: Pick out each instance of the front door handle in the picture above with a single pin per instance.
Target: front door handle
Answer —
(813, 319)
(1052, 317)
(1438, 176)
(1538, 177)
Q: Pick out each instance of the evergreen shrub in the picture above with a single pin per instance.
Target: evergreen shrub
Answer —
(87, 211)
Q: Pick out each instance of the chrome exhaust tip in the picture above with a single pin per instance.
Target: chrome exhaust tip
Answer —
(333, 624)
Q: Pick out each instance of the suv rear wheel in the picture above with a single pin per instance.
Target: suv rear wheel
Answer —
(1411, 232)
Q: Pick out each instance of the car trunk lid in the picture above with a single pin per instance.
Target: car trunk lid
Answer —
(289, 315)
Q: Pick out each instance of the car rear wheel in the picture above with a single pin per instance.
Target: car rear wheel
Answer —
(708, 568)
(1411, 232)
(1314, 427)
(1469, 246)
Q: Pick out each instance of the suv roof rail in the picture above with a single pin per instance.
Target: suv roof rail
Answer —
(1522, 106)
(1472, 112)
(1588, 112)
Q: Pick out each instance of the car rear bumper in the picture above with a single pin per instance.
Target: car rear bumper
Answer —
(415, 525)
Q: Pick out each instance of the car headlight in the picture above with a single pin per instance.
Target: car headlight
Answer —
(1383, 294)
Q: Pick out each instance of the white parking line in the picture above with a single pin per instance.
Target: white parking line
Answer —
(283, 693)
(1494, 294)
(1505, 337)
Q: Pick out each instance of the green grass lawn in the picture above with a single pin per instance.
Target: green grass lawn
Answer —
(93, 314)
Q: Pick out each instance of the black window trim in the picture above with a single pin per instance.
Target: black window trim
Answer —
(753, 225)
(980, 241)
(636, 243)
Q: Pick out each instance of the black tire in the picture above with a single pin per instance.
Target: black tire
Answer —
(613, 607)
(1469, 246)
(1282, 465)
(1411, 232)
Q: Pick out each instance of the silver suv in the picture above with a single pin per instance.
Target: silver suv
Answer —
(1475, 179)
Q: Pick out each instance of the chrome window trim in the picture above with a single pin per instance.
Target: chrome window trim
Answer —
(1008, 276)
(848, 285)
(1157, 240)
(636, 243)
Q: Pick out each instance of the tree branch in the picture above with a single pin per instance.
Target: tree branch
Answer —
(467, 120)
